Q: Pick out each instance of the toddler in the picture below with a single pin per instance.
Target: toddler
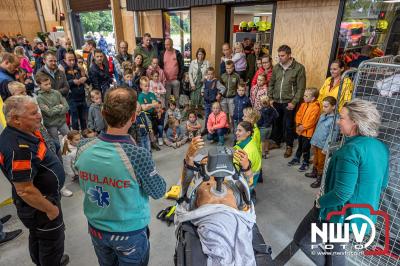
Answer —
(175, 138)
(257, 91)
(174, 111)
(157, 87)
(268, 116)
(239, 58)
(192, 126)
(159, 120)
(70, 143)
(96, 121)
(156, 67)
(128, 78)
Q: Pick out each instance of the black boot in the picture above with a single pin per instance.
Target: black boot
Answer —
(10, 236)
(253, 196)
(155, 146)
(260, 178)
(312, 174)
(317, 182)
(64, 260)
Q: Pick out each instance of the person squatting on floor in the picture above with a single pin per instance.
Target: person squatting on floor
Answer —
(217, 125)
(36, 175)
(117, 178)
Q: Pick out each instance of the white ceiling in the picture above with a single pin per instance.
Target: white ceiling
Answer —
(256, 10)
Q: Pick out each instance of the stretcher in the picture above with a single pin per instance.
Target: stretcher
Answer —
(215, 182)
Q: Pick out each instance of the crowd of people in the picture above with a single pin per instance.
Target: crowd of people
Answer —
(65, 117)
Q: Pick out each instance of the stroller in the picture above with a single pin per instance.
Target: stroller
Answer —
(227, 189)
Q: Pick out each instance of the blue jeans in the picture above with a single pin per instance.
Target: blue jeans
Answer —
(218, 135)
(2, 234)
(53, 132)
(144, 142)
(121, 249)
(207, 111)
(160, 130)
(78, 111)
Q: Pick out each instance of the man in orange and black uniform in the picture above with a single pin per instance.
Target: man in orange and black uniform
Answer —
(36, 175)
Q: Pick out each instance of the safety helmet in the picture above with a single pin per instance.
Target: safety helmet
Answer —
(382, 25)
(251, 25)
(264, 26)
(243, 26)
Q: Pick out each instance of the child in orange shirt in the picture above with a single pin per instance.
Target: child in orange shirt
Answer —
(306, 120)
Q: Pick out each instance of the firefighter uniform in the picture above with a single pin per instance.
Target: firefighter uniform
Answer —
(24, 158)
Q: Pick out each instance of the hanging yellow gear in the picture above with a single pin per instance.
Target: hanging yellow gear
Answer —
(382, 24)
(264, 26)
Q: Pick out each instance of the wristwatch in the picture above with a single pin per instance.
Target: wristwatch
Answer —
(190, 167)
(247, 169)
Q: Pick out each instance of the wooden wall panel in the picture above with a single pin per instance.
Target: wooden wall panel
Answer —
(307, 26)
(151, 22)
(219, 35)
(19, 16)
(203, 34)
(208, 27)
(129, 29)
(116, 13)
(49, 9)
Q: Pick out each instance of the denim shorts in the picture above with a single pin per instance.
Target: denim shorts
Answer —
(265, 133)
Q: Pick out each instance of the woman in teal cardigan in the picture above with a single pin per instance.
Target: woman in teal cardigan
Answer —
(357, 174)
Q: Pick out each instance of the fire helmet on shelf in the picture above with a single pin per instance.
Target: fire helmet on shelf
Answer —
(243, 26)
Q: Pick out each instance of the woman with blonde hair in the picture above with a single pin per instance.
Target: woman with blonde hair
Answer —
(357, 174)
(252, 116)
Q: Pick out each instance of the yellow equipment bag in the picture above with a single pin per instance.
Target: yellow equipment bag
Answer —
(174, 192)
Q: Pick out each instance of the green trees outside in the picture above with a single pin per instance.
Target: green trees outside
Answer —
(100, 21)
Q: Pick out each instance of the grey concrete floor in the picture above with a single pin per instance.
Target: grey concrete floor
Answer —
(282, 201)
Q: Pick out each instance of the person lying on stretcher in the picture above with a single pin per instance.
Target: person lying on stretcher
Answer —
(193, 162)
(216, 199)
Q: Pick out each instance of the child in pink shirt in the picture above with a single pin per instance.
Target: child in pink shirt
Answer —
(157, 87)
(155, 66)
(257, 91)
(23, 60)
(217, 124)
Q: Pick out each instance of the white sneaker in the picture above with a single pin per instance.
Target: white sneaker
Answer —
(160, 142)
(66, 192)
